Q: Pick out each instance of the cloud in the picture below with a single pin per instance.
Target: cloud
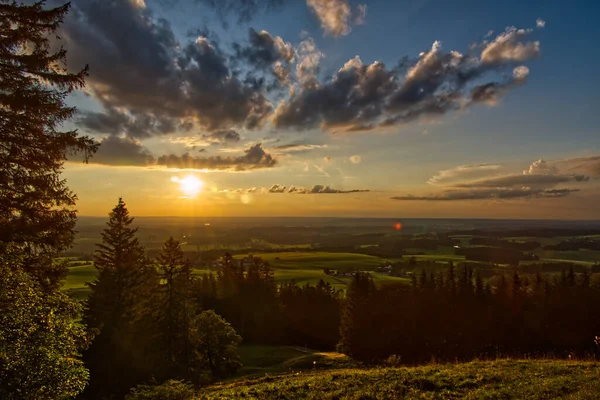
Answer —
(119, 151)
(334, 15)
(355, 159)
(136, 125)
(149, 82)
(490, 194)
(255, 157)
(583, 165)
(316, 189)
(523, 180)
(124, 151)
(309, 61)
(506, 48)
(245, 10)
(268, 53)
(540, 167)
(462, 173)
(298, 147)
(363, 97)
(222, 136)
(473, 182)
(138, 65)
(540, 23)
(361, 14)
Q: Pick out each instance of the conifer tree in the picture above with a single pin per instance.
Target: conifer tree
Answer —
(354, 324)
(117, 307)
(36, 206)
(175, 309)
(39, 340)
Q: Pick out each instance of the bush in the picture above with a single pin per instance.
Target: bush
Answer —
(169, 390)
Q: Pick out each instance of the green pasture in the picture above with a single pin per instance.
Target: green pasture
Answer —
(320, 260)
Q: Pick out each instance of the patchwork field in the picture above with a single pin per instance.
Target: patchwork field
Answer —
(300, 267)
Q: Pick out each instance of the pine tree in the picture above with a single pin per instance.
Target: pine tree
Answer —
(175, 308)
(38, 336)
(117, 306)
(36, 206)
(354, 326)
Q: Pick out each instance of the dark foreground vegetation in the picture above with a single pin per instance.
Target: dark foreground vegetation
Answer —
(501, 379)
(151, 328)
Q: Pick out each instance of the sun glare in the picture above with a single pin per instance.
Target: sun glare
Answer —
(189, 185)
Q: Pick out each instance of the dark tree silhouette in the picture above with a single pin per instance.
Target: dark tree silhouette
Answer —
(117, 306)
(174, 309)
(36, 206)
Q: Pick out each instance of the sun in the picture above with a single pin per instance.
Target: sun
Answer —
(189, 185)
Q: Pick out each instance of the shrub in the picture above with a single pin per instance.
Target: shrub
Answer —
(169, 390)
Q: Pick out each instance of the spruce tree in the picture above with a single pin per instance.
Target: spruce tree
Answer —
(354, 324)
(36, 206)
(117, 307)
(175, 308)
(39, 340)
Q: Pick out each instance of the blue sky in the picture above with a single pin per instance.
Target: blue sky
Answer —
(538, 101)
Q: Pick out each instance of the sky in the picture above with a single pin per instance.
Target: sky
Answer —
(370, 108)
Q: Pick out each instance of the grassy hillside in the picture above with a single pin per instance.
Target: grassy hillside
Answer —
(501, 379)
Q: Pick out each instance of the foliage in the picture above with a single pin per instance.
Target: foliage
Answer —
(500, 379)
(311, 314)
(169, 390)
(214, 344)
(120, 355)
(39, 342)
(173, 309)
(36, 206)
(452, 315)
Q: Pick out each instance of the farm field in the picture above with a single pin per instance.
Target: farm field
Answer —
(320, 260)
(499, 379)
(300, 267)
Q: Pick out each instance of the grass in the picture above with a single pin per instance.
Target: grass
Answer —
(585, 256)
(320, 260)
(500, 379)
(258, 361)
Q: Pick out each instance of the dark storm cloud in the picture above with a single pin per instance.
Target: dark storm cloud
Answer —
(369, 96)
(124, 151)
(490, 194)
(137, 64)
